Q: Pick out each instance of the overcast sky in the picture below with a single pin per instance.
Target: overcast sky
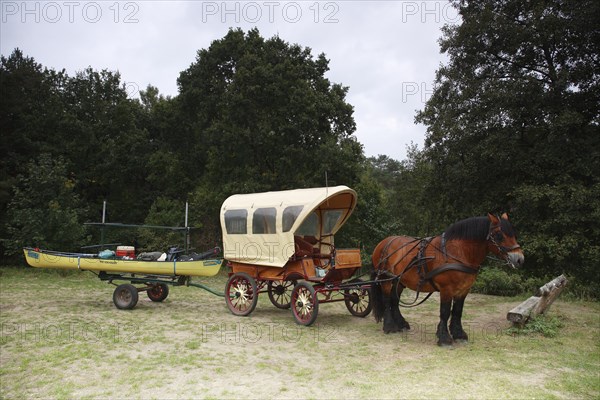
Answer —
(386, 52)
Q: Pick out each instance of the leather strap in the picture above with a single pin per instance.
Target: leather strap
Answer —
(452, 267)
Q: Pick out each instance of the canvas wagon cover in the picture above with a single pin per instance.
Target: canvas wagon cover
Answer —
(276, 216)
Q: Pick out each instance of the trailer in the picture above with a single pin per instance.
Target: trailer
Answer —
(151, 276)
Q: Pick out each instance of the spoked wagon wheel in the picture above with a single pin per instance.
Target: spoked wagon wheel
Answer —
(241, 294)
(280, 293)
(305, 305)
(358, 300)
(158, 292)
(125, 296)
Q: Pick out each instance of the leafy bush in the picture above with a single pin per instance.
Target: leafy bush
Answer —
(500, 282)
(46, 210)
(541, 324)
(578, 289)
(496, 281)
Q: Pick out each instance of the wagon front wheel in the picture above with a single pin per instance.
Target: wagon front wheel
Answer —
(158, 292)
(305, 305)
(125, 296)
(358, 300)
(241, 294)
(280, 293)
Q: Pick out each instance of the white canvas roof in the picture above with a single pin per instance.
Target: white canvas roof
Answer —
(259, 228)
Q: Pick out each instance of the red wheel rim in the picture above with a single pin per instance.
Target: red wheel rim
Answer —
(304, 304)
(240, 295)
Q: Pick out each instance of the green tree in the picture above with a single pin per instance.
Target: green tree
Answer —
(163, 212)
(45, 210)
(513, 124)
(371, 221)
(30, 108)
(252, 114)
(86, 119)
(266, 116)
(172, 171)
(258, 114)
(407, 201)
(104, 138)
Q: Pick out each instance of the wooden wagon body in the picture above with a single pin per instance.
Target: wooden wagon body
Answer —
(282, 243)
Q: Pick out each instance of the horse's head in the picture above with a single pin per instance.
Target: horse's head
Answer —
(502, 240)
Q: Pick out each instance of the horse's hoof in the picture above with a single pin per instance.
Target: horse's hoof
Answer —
(460, 336)
(445, 341)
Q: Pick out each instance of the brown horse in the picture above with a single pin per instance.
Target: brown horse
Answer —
(448, 264)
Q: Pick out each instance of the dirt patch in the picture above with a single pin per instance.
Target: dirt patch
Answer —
(62, 337)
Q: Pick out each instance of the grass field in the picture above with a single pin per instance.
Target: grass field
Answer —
(62, 337)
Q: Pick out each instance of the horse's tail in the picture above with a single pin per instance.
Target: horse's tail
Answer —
(377, 298)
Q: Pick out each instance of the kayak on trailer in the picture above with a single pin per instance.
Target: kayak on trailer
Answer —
(92, 262)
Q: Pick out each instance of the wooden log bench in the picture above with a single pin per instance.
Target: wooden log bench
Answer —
(538, 304)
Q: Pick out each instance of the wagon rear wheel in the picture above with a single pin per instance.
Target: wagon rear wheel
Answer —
(241, 294)
(280, 293)
(158, 292)
(305, 305)
(358, 300)
(125, 296)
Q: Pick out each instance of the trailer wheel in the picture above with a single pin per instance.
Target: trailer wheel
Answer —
(125, 296)
(158, 292)
(280, 293)
(358, 300)
(241, 294)
(305, 304)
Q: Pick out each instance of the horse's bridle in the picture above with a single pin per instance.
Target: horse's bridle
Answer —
(494, 228)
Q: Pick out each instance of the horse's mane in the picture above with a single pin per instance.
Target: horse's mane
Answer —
(475, 228)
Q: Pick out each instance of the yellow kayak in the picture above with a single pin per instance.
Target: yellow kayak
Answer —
(90, 262)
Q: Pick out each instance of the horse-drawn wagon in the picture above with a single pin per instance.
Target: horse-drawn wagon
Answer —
(282, 243)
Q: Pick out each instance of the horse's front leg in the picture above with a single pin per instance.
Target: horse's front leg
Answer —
(383, 307)
(456, 329)
(444, 338)
(399, 320)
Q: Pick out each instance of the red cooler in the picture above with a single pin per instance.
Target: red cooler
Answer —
(126, 251)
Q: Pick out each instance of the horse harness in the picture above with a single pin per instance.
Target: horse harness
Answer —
(419, 262)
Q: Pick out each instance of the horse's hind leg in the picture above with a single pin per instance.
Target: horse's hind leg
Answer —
(395, 308)
(389, 323)
(456, 329)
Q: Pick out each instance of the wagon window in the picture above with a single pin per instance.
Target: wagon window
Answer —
(330, 220)
(235, 221)
(310, 226)
(263, 220)
(290, 214)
